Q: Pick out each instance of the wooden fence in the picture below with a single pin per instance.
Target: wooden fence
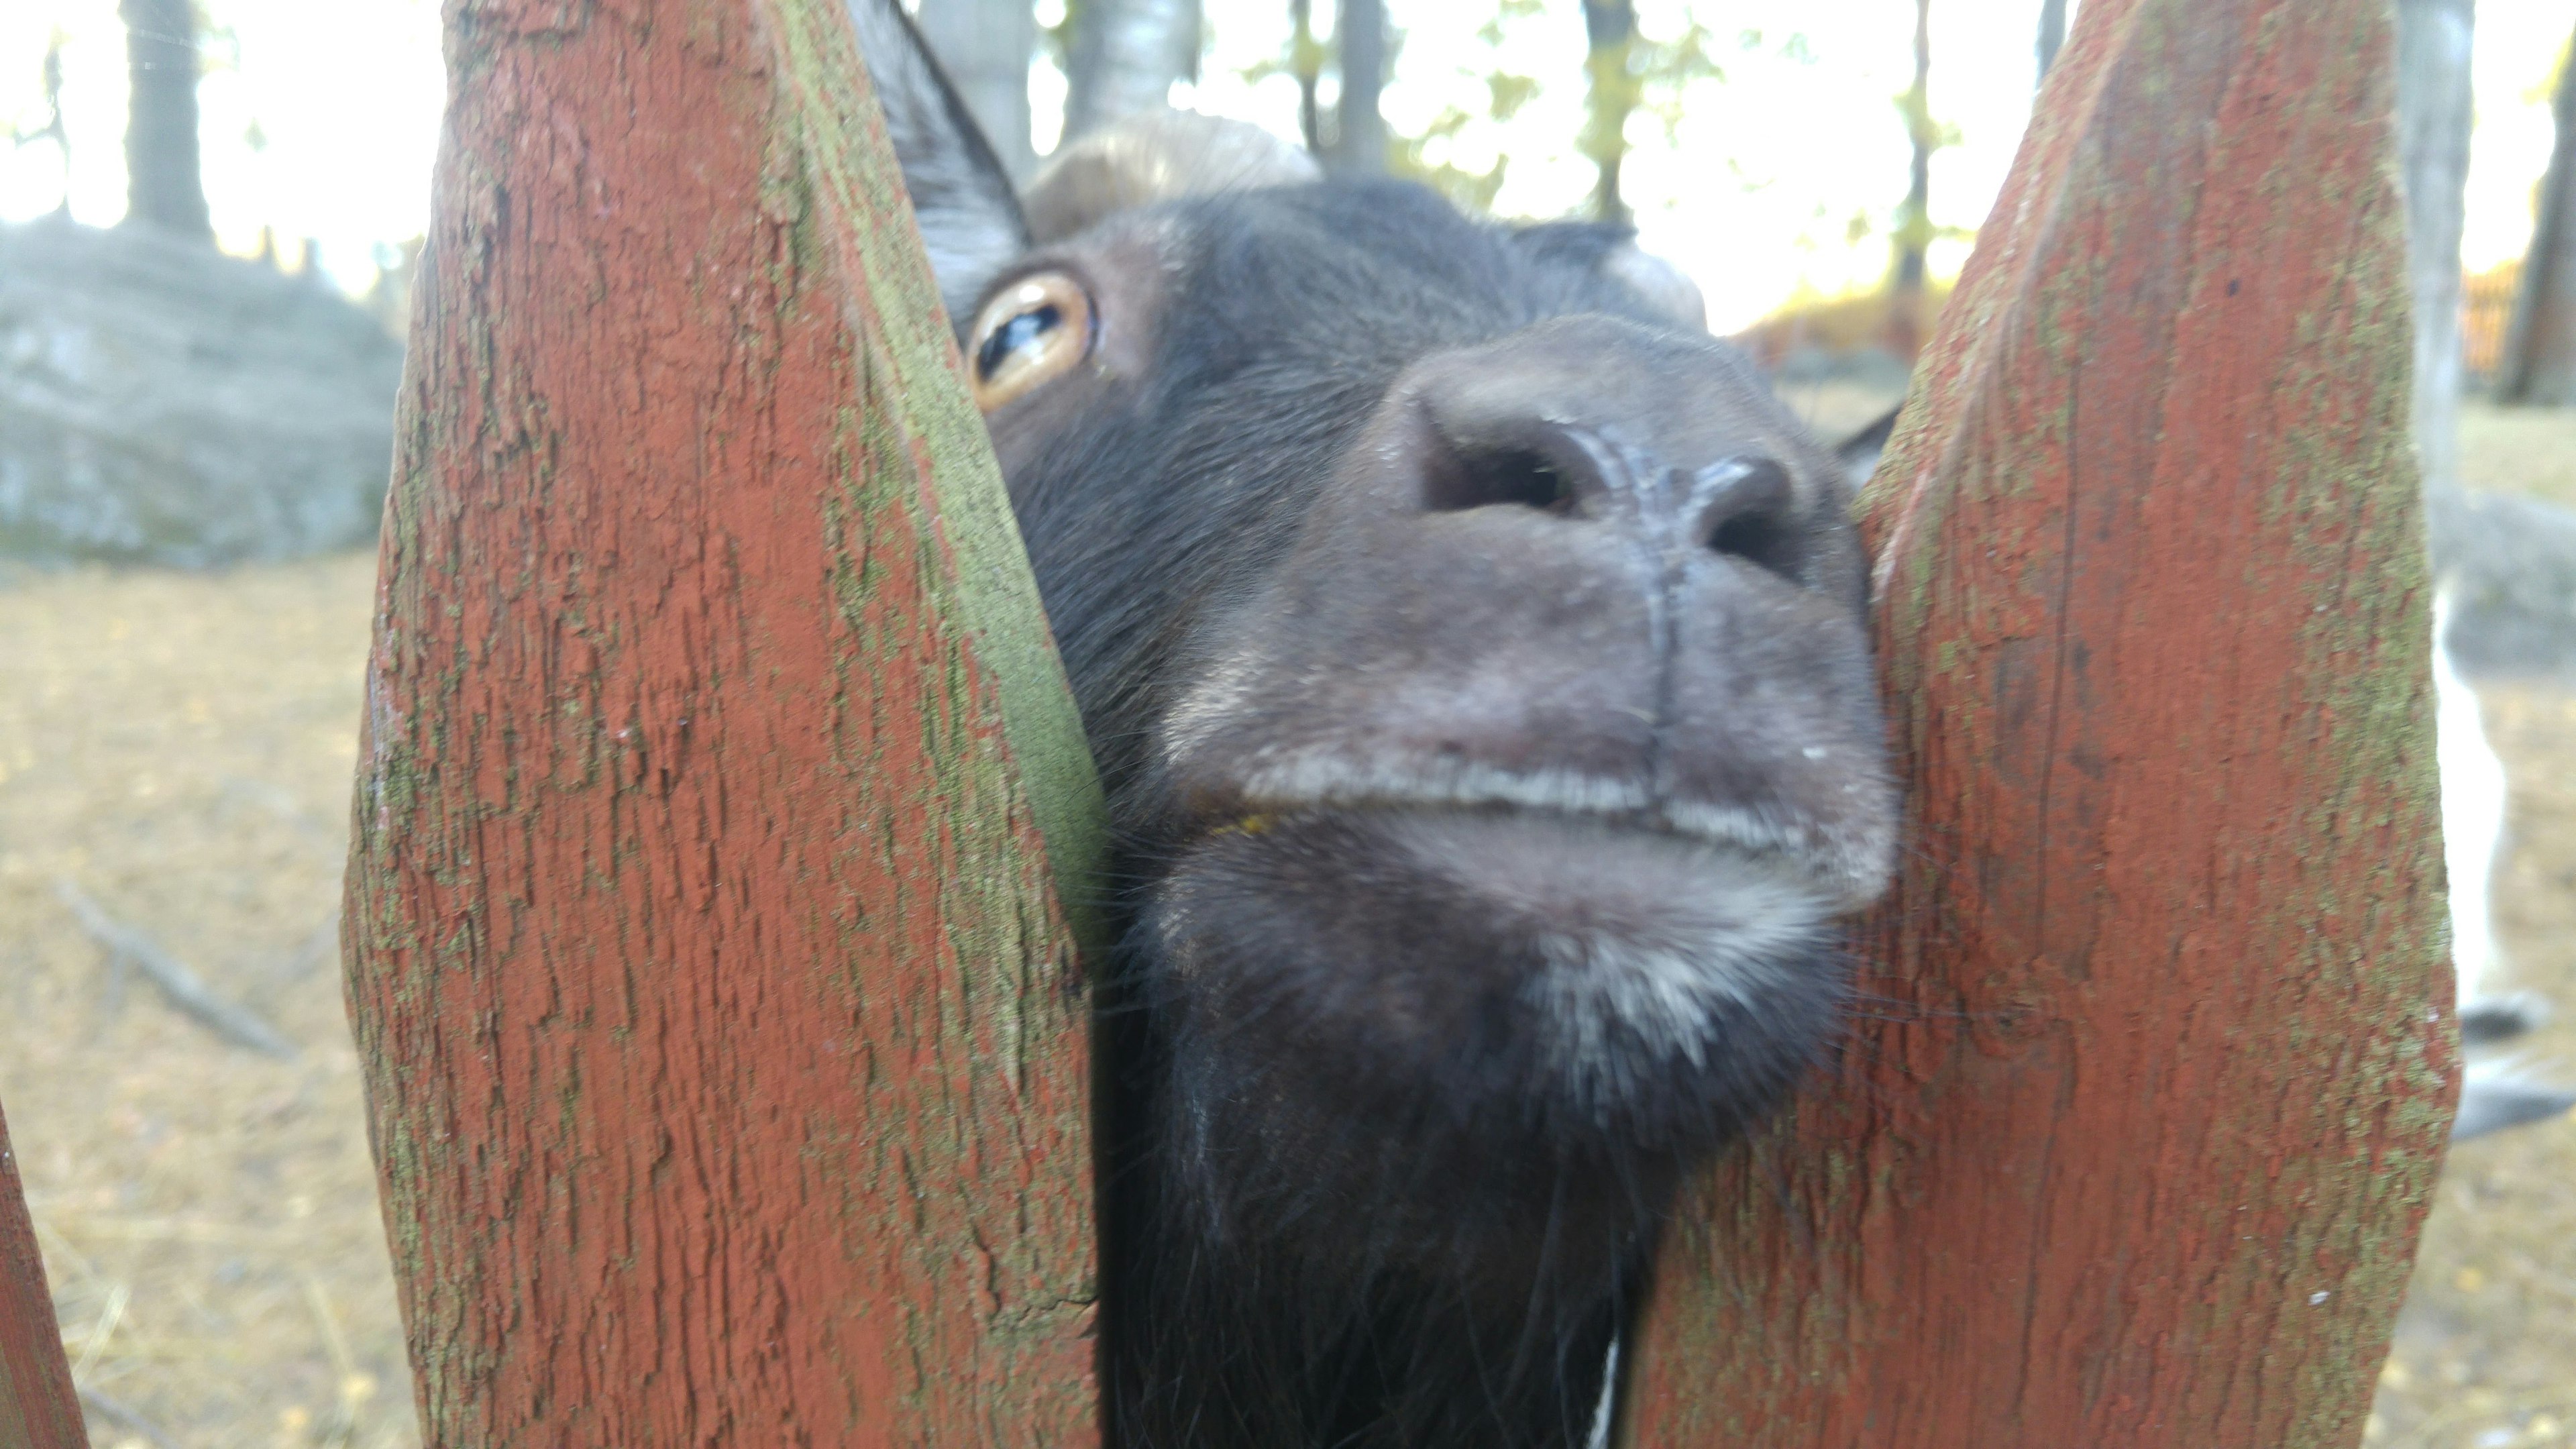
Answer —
(2486, 320)
(2155, 1068)
(37, 1407)
(725, 1043)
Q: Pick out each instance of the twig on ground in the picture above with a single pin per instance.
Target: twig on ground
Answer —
(109, 1408)
(111, 995)
(185, 989)
(100, 1332)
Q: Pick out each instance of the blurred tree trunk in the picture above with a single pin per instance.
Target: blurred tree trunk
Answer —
(1124, 58)
(2433, 118)
(1610, 28)
(164, 187)
(1914, 222)
(985, 46)
(2052, 33)
(51, 80)
(2541, 365)
(1359, 132)
(1306, 63)
(2509, 562)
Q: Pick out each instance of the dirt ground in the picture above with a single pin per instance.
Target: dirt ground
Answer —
(2519, 450)
(178, 749)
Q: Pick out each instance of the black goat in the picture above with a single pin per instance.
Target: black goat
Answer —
(1474, 652)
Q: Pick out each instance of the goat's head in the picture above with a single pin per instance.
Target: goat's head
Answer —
(1474, 652)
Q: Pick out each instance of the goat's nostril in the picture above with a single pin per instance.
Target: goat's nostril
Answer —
(1742, 507)
(1475, 477)
(1757, 538)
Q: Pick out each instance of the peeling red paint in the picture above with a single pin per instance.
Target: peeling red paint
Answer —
(2153, 1076)
(723, 1040)
(38, 1408)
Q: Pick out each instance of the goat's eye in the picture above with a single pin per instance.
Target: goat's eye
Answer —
(1030, 334)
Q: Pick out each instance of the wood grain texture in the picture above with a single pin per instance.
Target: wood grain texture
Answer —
(38, 1408)
(2155, 1067)
(723, 1035)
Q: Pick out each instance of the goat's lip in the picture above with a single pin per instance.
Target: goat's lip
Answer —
(1851, 873)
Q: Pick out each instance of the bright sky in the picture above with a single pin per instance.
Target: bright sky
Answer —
(321, 117)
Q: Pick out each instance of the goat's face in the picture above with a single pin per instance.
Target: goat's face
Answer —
(1477, 659)
(1475, 654)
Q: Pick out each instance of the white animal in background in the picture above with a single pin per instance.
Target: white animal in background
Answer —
(2495, 1094)
(2472, 808)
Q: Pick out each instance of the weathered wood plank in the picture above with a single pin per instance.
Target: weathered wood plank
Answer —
(723, 1035)
(2155, 1066)
(38, 1407)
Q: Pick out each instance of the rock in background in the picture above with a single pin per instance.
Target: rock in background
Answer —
(163, 403)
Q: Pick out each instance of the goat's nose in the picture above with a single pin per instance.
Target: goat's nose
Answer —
(1553, 429)
(1739, 506)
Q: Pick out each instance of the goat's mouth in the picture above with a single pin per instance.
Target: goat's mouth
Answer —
(1843, 866)
(1517, 978)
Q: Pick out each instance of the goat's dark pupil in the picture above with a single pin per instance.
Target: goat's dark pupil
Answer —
(1011, 336)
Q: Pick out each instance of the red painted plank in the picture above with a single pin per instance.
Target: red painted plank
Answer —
(38, 1408)
(2155, 1070)
(724, 1041)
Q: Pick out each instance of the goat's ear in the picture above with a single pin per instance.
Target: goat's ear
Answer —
(1156, 156)
(1660, 283)
(1859, 452)
(970, 221)
(1613, 252)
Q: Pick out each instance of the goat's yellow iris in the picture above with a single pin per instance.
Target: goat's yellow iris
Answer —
(1032, 332)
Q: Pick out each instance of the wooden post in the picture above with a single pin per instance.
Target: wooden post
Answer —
(38, 1407)
(2155, 1065)
(723, 1035)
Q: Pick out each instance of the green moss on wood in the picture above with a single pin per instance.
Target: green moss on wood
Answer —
(2153, 623)
(851, 162)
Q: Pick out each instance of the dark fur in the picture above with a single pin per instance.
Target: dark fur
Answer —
(1355, 481)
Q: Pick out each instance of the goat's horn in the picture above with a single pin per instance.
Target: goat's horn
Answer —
(1155, 156)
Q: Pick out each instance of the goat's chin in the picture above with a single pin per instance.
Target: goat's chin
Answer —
(1466, 1021)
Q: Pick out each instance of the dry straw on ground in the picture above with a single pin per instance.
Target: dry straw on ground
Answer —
(178, 748)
